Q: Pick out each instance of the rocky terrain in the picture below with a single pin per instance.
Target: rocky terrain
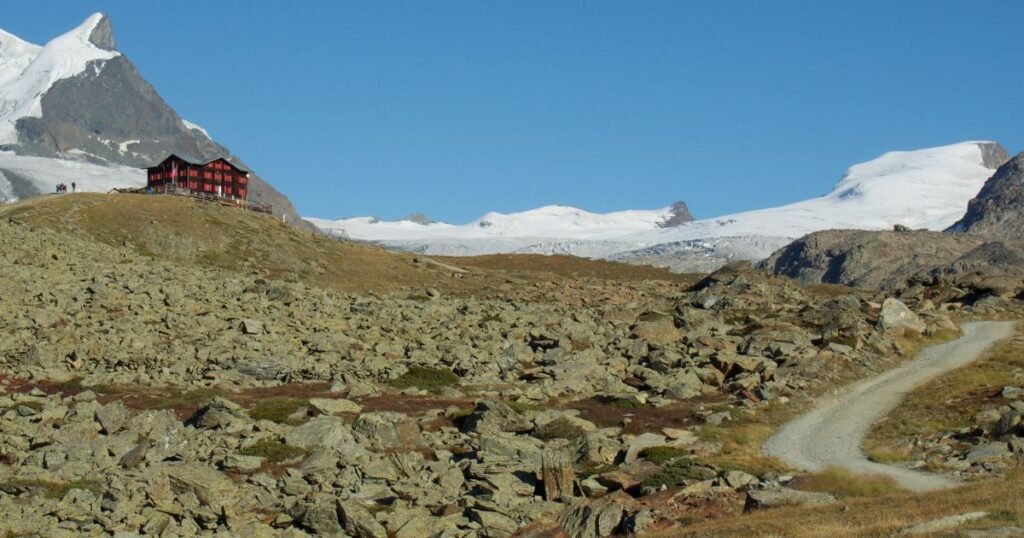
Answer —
(164, 396)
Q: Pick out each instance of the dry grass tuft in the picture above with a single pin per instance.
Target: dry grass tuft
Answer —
(843, 483)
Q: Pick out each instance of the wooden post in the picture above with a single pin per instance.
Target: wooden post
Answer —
(557, 474)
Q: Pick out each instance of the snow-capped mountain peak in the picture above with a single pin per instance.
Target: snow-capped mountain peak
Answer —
(27, 71)
(927, 188)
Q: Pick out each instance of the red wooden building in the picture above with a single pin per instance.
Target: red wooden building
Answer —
(217, 177)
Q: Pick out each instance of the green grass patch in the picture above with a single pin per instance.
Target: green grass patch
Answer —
(273, 450)
(672, 475)
(282, 410)
(619, 403)
(428, 379)
(523, 407)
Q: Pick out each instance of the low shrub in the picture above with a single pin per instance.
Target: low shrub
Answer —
(672, 475)
(281, 410)
(428, 379)
(560, 428)
(273, 450)
(663, 454)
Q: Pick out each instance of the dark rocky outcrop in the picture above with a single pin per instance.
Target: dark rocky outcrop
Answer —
(867, 259)
(998, 209)
(680, 214)
(103, 35)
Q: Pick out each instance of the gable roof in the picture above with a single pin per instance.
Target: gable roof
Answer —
(200, 162)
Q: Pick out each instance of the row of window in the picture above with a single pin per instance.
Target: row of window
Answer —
(241, 180)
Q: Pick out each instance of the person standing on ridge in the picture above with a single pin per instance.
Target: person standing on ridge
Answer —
(72, 186)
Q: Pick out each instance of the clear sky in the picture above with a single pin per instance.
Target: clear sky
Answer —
(456, 108)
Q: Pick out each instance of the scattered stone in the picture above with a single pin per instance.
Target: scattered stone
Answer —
(112, 417)
(332, 406)
(943, 524)
(774, 498)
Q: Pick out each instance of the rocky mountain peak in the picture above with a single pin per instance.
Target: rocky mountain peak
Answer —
(102, 34)
(993, 154)
(998, 209)
(679, 214)
(418, 218)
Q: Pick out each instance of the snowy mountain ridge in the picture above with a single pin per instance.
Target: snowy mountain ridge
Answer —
(927, 188)
(28, 71)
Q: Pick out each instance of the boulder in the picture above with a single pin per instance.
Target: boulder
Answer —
(657, 328)
(640, 442)
(212, 488)
(335, 406)
(386, 429)
(112, 417)
(773, 498)
(896, 318)
(359, 522)
(220, 413)
(321, 518)
(495, 416)
(596, 518)
(322, 431)
(493, 524)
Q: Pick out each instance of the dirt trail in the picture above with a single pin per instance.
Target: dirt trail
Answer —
(831, 434)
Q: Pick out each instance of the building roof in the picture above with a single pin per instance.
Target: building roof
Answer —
(200, 162)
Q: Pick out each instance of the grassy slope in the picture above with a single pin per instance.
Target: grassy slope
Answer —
(877, 515)
(194, 232)
(949, 402)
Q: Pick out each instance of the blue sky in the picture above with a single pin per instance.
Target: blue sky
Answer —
(456, 108)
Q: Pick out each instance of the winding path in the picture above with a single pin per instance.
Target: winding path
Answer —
(832, 433)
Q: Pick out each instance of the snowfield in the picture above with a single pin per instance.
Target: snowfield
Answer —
(927, 188)
(44, 174)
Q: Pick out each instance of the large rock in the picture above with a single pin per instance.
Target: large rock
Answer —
(492, 416)
(220, 413)
(386, 429)
(596, 519)
(895, 317)
(112, 417)
(322, 432)
(212, 488)
(359, 522)
(657, 328)
(773, 498)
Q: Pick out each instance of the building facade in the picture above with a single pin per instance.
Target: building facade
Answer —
(218, 177)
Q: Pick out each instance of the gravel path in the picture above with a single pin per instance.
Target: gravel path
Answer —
(832, 433)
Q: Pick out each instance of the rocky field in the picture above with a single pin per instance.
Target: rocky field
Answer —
(148, 393)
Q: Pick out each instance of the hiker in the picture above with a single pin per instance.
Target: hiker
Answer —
(72, 186)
